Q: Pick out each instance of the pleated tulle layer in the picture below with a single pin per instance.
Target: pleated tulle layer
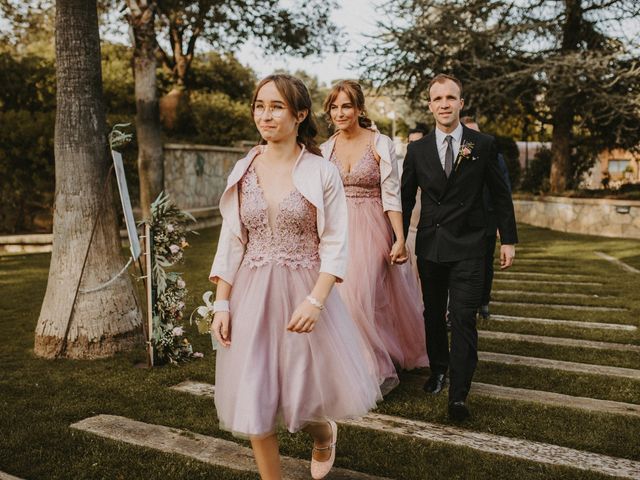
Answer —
(384, 300)
(270, 375)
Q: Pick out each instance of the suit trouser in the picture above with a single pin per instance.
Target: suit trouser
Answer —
(462, 281)
(488, 269)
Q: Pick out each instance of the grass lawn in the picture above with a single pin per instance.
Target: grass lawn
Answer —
(41, 398)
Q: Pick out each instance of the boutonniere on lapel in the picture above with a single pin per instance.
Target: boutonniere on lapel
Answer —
(466, 151)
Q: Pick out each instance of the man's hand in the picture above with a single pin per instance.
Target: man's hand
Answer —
(507, 254)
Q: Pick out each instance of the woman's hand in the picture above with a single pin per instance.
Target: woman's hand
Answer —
(398, 253)
(304, 318)
(220, 328)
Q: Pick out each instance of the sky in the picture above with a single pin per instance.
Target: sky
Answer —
(356, 18)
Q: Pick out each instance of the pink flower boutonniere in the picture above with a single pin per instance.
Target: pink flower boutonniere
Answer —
(466, 149)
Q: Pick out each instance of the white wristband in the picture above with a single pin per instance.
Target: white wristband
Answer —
(314, 301)
(221, 306)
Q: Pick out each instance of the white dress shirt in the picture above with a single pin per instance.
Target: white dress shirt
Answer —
(441, 143)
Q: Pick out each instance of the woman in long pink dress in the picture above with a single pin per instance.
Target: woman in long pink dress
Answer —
(380, 290)
(290, 351)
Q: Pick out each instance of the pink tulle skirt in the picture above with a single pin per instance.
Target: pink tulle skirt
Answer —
(270, 375)
(384, 300)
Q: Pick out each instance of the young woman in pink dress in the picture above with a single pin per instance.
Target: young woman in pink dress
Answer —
(380, 289)
(290, 351)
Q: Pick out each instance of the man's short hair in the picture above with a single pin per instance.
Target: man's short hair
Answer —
(421, 130)
(443, 77)
(467, 119)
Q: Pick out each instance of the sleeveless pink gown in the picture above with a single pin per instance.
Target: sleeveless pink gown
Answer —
(270, 375)
(384, 300)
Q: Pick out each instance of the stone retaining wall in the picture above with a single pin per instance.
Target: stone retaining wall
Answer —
(605, 217)
(195, 175)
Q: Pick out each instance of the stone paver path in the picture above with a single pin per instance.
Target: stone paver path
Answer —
(551, 295)
(619, 263)
(567, 323)
(560, 341)
(211, 450)
(6, 476)
(584, 308)
(559, 365)
(500, 445)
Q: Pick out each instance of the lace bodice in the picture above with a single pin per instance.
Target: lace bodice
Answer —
(363, 181)
(293, 239)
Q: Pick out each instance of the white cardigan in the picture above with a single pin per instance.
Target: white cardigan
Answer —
(319, 182)
(389, 178)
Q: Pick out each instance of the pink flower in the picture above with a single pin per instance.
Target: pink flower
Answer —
(174, 248)
(181, 283)
(177, 331)
(198, 355)
(466, 151)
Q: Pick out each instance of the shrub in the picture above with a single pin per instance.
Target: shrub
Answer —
(536, 177)
(219, 120)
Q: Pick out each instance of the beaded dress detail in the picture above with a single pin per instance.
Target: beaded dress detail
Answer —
(293, 242)
(383, 299)
(269, 375)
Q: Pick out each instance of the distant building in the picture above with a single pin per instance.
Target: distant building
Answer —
(623, 167)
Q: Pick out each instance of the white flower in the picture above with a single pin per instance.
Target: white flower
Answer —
(174, 248)
(180, 306)
(170, 228)
(181, 283)
(208, 306)
(177, 331)
(198, 354)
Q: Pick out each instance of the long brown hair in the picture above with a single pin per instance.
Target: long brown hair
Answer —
(355, 94)
(297, 97)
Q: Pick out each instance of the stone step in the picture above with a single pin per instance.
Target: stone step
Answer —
(566, 323)
(552, 295)
(486, 442)
(544, 453)
(501, 273)
(617, 262)
(560, 341)
(210, 450)
(555, 399)
(549, 282)
(487, 390)
(6, 476)
(593, 308)
(546, 363)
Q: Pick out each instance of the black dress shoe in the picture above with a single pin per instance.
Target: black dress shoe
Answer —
(435, 384)
(458, 411)
(484, 311)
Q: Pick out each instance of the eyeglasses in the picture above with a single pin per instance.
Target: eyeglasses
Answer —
(276, 110)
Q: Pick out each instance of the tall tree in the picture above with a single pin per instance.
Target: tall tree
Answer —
(568, 64)
(142, 15)
(98, 321)
(302, 27)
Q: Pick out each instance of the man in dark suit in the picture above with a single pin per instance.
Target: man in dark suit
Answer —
(451, 165)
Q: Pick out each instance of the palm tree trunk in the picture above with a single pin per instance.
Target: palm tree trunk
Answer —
(99, 323)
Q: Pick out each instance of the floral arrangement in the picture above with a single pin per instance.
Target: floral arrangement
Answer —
(168, 238)
(465, 152)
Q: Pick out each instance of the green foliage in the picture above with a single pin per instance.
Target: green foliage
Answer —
(26, 170)
(219, 120)
(536, 177)
(212, 72)
(28, 82)
(117, 79)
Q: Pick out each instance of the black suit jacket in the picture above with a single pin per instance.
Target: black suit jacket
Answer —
(453, 220)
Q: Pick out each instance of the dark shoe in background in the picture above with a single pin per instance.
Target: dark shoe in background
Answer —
(484, 312)
(458, 411)
(435, 383)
